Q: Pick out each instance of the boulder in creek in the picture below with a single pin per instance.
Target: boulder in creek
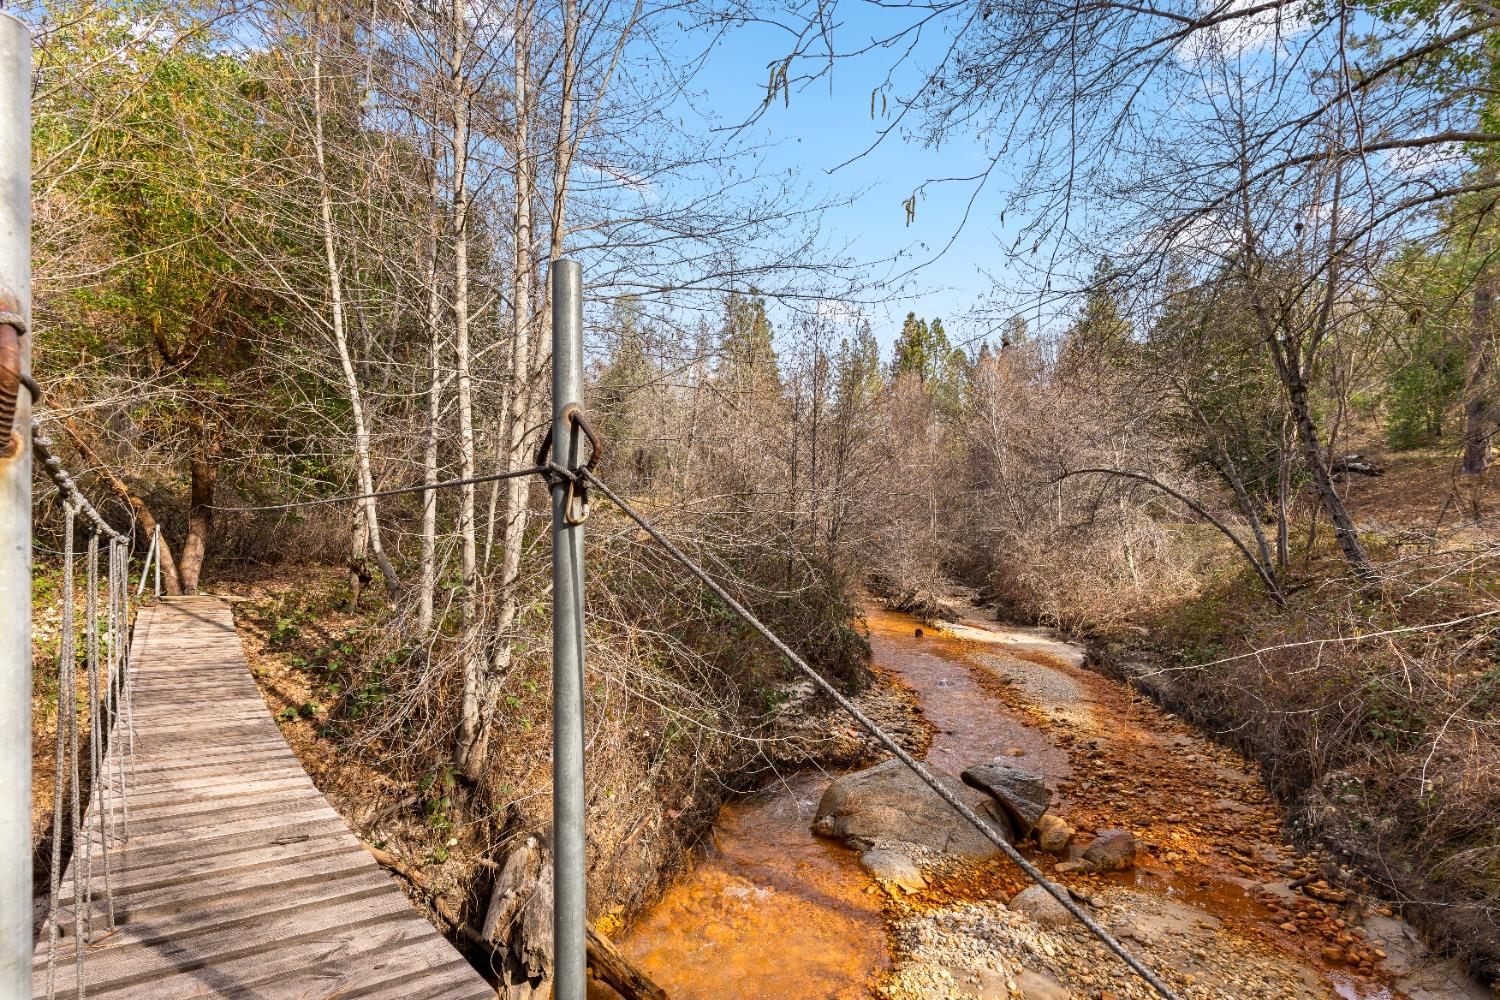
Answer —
(887, 803)
(1039, 904)
(1112, 851)
(894, 867)
(1053, 834)
(1022, 795)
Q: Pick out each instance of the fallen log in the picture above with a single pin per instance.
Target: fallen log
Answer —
(1357, 464)
(618, 973)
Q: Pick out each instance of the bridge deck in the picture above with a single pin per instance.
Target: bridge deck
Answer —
(238, 879)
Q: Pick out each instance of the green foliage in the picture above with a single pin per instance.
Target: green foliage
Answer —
(438, 787)
(1425, 326)
(1100, 338)
(747, 356)
(1233, 415)
(857, 375)
(625, 397)
(1392, 718)
(923, 352)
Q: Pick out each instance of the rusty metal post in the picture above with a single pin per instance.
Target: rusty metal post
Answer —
(15, 508)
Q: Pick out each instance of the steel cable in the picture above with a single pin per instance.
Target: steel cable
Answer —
(91, 686)
(65, 656)
(928, 778)
(531, 470)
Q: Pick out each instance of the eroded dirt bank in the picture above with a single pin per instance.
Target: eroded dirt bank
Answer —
(1217, 902)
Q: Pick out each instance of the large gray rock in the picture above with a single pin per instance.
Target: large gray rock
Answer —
(1021, 795)
(888, 803)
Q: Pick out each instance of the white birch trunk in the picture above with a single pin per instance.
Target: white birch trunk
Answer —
(340, 333)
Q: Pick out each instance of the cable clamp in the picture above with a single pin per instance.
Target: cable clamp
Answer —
(576, 490)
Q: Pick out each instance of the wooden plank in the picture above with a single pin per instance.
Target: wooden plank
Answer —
(141, 963)
(371, 951)
(154, 843)
(277, 903)
(238, 879)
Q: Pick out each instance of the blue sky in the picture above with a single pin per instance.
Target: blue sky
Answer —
(827, 123)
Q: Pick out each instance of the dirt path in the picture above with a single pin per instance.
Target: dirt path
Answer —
(772, 911)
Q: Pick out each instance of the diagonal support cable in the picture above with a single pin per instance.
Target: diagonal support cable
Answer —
(928, 778)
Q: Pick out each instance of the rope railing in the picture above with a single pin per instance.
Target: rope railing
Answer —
(100, 757)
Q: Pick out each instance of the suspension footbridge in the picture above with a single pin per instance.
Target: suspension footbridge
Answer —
(229, 873)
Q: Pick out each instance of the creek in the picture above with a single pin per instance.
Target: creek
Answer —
(770, 911)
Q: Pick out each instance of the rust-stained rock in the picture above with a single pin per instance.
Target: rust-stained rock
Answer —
(1053, 834)
(1112, 851)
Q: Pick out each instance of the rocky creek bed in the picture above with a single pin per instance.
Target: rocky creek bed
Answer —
(1168, 839)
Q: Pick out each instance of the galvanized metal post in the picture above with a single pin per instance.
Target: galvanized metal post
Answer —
(156, 545)
(146, 565)
(569, 921)
(15, 516)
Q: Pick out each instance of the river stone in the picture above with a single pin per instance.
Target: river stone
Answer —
(1021, 794)
(1038, 904)
(895, 867)
(1112, 851)
(1053, 834)
(889, 804)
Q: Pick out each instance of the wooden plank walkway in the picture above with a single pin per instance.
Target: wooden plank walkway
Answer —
(238, 879)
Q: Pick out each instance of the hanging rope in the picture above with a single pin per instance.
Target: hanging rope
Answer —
(98, 830)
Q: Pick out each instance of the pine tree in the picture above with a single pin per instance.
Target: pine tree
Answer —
(747, 356)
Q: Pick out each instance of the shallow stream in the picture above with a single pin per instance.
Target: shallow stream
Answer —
(772, 912)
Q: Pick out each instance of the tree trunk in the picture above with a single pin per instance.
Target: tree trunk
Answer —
(1283, 496)
(468, 754)
(428, 587)
(1344, 530)
(1479, 403)
(170, 579)
(340, 334)
(204, 469)
(359, 570)
(518, 391)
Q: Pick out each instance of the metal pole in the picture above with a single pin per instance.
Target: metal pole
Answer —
(15, 515)
(569, 921)
(146, 566)
(156, 544)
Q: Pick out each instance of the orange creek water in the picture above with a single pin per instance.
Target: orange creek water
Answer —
(772, 911)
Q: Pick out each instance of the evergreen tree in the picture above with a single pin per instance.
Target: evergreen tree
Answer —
(913, 352)
(627, 394)
(1101, 337)
(747, 356)
(1428, 362)
(923, 351)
